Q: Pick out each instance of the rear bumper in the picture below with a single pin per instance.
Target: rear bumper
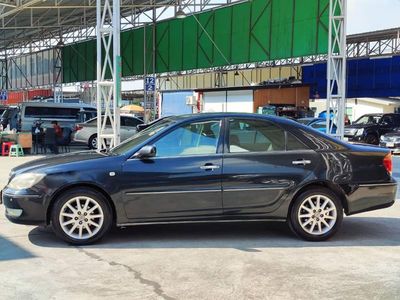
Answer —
(25, 209)
(367, 197)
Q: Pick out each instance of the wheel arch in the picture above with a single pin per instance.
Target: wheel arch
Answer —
(337, 190)
(80, 185)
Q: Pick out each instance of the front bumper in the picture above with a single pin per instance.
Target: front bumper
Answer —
(367, 197)
(24, 208)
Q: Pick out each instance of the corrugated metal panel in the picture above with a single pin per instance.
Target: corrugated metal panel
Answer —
(365, 78)
(252, 31)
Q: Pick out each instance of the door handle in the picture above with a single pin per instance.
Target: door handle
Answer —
(209, 167)
(301, 162)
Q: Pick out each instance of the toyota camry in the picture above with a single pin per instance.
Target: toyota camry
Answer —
(204, 168)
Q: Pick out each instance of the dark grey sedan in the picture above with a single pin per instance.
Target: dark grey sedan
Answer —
(204, 168)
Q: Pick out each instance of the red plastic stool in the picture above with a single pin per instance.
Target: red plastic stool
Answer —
(5, 148)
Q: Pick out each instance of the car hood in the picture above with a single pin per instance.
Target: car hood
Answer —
(393, 133)
(53, 161)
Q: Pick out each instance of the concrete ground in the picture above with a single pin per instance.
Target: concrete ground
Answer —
(214, 261)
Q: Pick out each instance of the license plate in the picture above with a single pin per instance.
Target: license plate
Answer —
(390, 145)
(346, 139)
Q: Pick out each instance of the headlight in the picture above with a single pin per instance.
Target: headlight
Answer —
(25, 181)
(360, 131)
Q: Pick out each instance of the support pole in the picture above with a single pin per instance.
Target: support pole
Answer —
(108, 90)
(336, 68)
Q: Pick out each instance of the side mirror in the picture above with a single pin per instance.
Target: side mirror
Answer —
(146, 152)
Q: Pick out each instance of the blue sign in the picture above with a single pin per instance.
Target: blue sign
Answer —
(3, 95)
(150, 84)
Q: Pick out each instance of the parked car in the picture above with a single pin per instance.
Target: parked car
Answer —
(369, 128)
(316, 123)
(24, 116)
(204, 168)
(391, 140)
(2, 109)
(87, 132)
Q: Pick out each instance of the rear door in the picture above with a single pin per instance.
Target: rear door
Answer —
(261, 163)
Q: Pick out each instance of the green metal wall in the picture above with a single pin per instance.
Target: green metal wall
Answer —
(253, 31)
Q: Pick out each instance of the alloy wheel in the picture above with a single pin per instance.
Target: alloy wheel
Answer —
(317, 214)
(81, 218)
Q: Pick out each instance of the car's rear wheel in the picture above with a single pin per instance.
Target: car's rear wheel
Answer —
(93, 142)
(316, 214)
(81, 216)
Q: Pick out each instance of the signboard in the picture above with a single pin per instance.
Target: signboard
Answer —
(3, 95)
(150, 84)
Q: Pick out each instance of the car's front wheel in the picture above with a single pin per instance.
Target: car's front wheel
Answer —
(81, 216)
(316, 214)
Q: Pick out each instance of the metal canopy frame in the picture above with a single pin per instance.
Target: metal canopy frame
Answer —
(108, 91)
(336, 69)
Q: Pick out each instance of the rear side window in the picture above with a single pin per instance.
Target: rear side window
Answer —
(130, 122)
(255, 136)
(260, 136)
(292, 143)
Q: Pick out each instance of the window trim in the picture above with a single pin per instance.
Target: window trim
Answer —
(285, 130)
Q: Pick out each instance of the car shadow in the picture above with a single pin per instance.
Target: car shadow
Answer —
(356, 231)
(11, 251)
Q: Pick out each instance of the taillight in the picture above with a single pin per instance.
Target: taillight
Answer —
(387, 163)
(78, 127)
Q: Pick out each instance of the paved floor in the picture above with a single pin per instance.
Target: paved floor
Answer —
(230, 261)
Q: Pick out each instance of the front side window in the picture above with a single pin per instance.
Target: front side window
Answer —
(199, 138)
(255, 136)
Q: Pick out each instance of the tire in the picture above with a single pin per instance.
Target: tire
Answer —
(86, 225)
(372, 139)
(305, 218)
(92, 144)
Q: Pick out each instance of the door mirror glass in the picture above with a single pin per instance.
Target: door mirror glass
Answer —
(146, 152)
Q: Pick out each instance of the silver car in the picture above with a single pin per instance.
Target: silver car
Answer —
(87, 132)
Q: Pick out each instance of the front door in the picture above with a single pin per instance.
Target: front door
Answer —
(183, 180)
(261, 164)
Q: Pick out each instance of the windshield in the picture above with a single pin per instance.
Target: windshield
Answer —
(7, 113)
(142, 136)
(371, 119)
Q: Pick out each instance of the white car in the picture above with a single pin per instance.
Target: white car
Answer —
(87, 132)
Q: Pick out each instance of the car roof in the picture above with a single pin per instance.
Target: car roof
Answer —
(201, 116)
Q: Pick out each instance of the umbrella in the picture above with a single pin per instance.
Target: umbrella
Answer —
(132, 108)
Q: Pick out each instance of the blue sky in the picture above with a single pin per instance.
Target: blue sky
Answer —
(370, 15)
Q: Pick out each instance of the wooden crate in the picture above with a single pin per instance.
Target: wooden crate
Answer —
(25, 140)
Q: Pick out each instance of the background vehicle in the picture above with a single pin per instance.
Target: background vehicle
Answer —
(369, 128)
(66, 114)
(87, 132)
(273, 168)
(2, 109)
(10, 117)
(391, 140)
(316, 123)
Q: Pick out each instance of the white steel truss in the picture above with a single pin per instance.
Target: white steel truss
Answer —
(336, 69)
(108, 90)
